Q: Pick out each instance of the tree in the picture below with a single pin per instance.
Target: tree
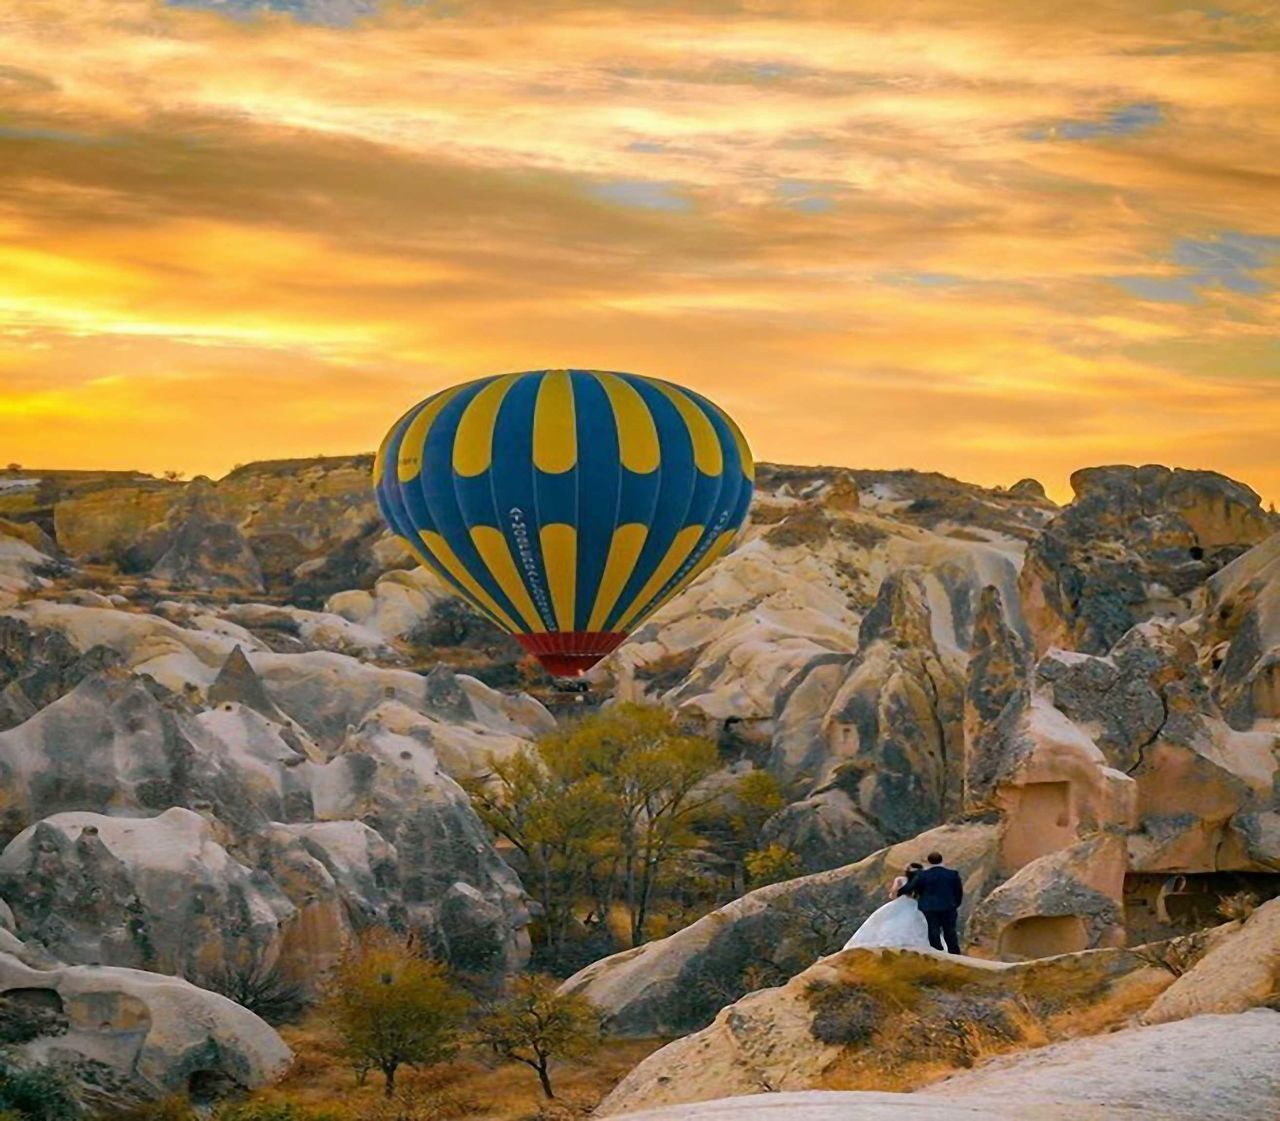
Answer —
(391, 1007)
(605, 805)
(772, 864)
(562, 826)
(533, 1023)
(653, 771)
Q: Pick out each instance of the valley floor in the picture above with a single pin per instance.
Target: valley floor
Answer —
(474, 1086)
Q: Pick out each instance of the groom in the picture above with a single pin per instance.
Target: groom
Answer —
(938, 892)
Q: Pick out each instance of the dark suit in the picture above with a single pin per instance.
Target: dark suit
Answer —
(938, 892)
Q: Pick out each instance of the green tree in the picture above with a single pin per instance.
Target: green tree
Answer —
(601, 807)
(561, 823)
(534, 1024)
(655, 774)
(390, 1007)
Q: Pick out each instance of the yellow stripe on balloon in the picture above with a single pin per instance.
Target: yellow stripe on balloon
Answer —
(624, 550)
(744, 452)
(473, 441)
(555, 435)
(432, 565)
(492, 547)
(409, 461)
(706, 443)
(712, 555)
(637, 435)
(680, 548)
(439, 547)
(560, 563)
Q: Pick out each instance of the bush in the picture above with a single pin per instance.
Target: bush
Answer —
(20, 1021)
(263, 989)
(844, 1015)
(392, 1007)
(37, 1094)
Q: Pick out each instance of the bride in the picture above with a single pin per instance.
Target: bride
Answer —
(898, 923)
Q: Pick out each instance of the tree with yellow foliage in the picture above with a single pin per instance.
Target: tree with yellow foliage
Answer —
(391, 1007)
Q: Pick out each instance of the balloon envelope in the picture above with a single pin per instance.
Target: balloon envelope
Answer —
(565, 505)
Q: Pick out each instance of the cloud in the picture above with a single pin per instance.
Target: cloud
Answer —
(987, 239)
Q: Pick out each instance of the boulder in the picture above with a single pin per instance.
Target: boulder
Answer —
(39, 666)
(678, 983)
(155, 893)
(124, 1036)
(893, 728)
(1060, 903)
(1135, 543)
(1241, 970)
(824, 830)
(395, 606)
(997, 694)
(455, 888)
(208, 555)
(120, 744)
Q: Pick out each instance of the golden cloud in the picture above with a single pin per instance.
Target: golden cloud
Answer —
(958, 235)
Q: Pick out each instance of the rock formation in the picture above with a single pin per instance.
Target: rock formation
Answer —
(848, 1018)
(1136, 542)
(122, 1036)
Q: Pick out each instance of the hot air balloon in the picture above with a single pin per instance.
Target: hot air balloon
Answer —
(565, 505)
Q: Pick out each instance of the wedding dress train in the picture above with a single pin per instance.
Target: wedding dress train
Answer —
(899, 924)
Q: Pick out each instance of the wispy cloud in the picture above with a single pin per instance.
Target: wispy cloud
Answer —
(961, 235)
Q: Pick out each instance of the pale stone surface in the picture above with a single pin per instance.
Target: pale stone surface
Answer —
(1207, 1068)
(125, 1035)
(155, 893)
(1240, 971)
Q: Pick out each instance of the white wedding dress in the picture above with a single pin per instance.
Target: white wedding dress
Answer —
(898, 924)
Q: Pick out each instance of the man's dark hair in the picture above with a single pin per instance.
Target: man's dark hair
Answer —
(934, 858)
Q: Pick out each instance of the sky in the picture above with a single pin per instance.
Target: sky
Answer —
(990, 238)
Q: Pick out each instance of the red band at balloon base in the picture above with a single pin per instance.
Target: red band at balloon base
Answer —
(570, 653)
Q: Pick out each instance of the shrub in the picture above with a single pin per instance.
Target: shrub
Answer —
(844, 1015)
(771, 864)
(534, 1023)
(21, 1021)
(37, 1094)
(263, 989)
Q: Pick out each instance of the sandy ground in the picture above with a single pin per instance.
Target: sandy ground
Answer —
(1208, 1068)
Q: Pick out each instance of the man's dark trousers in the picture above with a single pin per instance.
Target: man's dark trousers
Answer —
(942, 925)
(938, 892)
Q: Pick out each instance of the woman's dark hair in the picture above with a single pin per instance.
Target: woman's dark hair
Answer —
(915, 866)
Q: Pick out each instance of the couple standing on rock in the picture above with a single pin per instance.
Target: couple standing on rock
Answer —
(923, 911)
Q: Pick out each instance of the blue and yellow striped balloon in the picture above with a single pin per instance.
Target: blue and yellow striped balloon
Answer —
(565, 505)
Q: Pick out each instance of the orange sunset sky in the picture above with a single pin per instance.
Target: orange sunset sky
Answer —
(991, 238)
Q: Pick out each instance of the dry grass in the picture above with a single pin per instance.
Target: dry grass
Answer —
(473, 1086)
(913, 1020)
